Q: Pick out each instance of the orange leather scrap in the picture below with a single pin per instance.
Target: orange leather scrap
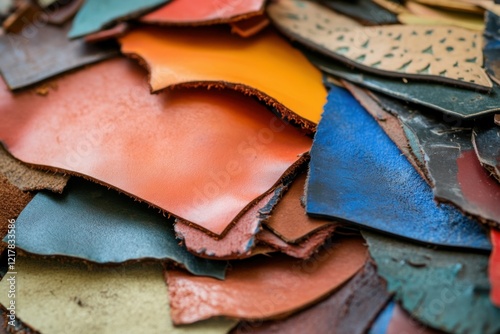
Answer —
(264, 287)
(265, 66)
(204, 12)
(201, 155)
(494, 268)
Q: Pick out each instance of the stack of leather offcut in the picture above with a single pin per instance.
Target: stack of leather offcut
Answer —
(250, 166)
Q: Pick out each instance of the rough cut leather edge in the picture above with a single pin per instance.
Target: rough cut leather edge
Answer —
(250, 26)
(283, 111)
(118, 30)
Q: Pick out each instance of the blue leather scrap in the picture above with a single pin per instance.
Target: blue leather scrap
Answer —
(359, 176)
(93, 223)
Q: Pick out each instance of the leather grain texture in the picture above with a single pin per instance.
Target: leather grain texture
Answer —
(201, 155)
(93, 223)
(259, 66)
(264, 287)
(358, 175)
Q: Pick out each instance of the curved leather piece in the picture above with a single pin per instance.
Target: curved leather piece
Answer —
(450, 100)
(444, 289)
(265, 66)
(93, 223)
(486, 142)
(98, 14)
(264, 287)
(71, 298)
(201, 155)
(389, 195)
(366, 11)
(494, 267)
(188, 12)
(31, 60)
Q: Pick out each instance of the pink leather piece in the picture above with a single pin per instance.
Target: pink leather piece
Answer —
(201, 155)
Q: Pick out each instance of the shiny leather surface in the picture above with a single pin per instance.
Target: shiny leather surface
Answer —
(264, 287)
(358, 175)
(93, 223)
(494, 267)
(203, 12)
(265, 66)
(200, 155)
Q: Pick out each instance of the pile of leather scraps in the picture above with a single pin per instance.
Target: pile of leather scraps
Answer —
(279, 166)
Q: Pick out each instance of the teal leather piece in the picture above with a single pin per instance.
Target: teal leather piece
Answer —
(444, 289)
(98, 14)
(458, 102)
(93, 223)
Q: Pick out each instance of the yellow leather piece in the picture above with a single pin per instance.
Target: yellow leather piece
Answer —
(264, 65)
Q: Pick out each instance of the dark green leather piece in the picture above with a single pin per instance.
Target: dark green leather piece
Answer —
(364, 10)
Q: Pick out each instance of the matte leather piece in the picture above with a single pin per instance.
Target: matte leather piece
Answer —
(65, 12)
(173, 58)
(381, 323)
(455, 171)
(401, 322)
(444, 54)
(66, 225)
(251, 26)
(364, 10)
(348, 311)
(59, 297)
(225, 149)
(487, 146)
(264, 287)
(443, 289)
(28, 179)
(188, 12)
(99, 14)
(453, 101)
(491, 48)
(390, 196)
(494, 268)
(288, 219)
(32, 60)
(301, 250)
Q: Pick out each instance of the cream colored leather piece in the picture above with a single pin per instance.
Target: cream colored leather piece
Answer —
(444, 54)
(56, 297)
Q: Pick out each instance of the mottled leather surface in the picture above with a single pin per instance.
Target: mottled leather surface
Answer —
(95, 15)
(446, 290)
(364, 10)
(245, 64)
(93, 223)
(486, 140)
(201, 155)
(32, 60)
(494, 267)
(349, 310)
(264, 287)
(204, 12)
(357, 175)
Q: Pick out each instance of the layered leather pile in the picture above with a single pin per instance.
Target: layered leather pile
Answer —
(250, 166)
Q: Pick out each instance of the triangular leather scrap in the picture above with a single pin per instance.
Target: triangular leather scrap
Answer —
(202, 155)
(265, 66)
(191, 12)
(443, 54)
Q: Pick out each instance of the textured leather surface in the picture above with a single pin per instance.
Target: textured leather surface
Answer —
(57, 297)
(444, 289)
(259, 66)
(201, 155)
(93, 223)
(486, 142)
(98, 14)
(494, 267)
(32, 60)
(358, 175)
(347, 311)
(204, 12)
(364, 10)
(453, 101)
(264, 287)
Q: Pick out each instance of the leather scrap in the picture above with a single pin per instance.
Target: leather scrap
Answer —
(28, 179)
(22, 17)
(446, 290)
(494, 268)
(420, 52)
(381, 323)
(63, 13)
(233, 149)
(363, 295)
(32, 60)
(173, 58)
(116, 31)
(20, 327)
(261, 288)
(66, 225)
(486, 141)
(187, 12)
(251, 26)
(452, 101)
(342, 188)
(95, 15)
(366, 11)
(56, 297)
